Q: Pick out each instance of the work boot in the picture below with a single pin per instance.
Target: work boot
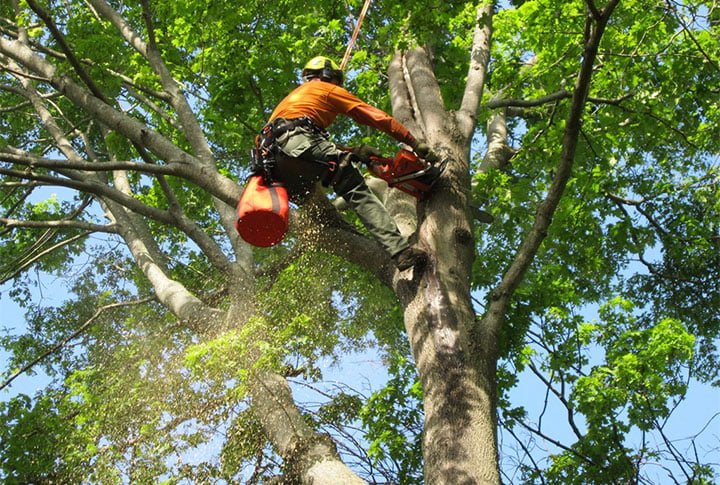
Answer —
(410, 257)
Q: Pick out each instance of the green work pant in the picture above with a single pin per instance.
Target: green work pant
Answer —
(305, 158)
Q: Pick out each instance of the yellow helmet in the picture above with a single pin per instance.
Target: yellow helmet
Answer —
(324, 68)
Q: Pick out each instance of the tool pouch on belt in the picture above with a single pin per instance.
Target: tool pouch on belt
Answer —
(263, 156)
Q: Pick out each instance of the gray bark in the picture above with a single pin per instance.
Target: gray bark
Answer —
(456, 354)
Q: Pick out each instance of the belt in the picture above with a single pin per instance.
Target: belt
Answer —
(279, 126)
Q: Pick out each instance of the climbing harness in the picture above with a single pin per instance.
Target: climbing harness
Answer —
(263, 158)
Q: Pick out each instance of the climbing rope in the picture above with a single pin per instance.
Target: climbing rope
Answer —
(355, 33)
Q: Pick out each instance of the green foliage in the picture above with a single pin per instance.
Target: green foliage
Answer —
(245, 439)
(637, 387)
(644, 371)
(138, 392)
(38, 443)
(617, 376)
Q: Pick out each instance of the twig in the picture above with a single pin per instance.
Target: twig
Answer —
(72, 336)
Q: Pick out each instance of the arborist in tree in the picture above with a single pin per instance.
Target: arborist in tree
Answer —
(297, 146)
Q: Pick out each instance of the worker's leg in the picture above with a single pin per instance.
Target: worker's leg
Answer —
(351, 186)
(313, 155)
(299, 166)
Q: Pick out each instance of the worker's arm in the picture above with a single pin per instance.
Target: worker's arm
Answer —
(378, 119)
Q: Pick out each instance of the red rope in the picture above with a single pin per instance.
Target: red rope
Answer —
(355, 33)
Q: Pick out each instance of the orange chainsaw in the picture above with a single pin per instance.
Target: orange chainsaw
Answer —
(407, 172)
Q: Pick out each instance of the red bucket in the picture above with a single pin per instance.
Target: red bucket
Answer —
(263, 213)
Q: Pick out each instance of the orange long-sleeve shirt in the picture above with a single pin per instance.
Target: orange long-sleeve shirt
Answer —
(323, 101)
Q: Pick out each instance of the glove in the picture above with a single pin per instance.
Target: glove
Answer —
(364, 152)
(423, 151)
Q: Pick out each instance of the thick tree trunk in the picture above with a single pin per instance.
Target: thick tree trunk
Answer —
(457, 374)
(460, 438)
(456, 356)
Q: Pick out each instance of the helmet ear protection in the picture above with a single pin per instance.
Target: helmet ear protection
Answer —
(323, 68)
(327, 71)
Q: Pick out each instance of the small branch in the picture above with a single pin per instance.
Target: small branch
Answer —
(551, 98)
(21, 74)
(98, 189)
(87, 226)
(613, 102)
(60, 39)
(34, 258)
(189, 227)
(527, 103)
(523, 446)
(689, 33)
(59, 345)
(559, 395)
(142, 98)
(33, 161)
(677, 456)
(555, 442)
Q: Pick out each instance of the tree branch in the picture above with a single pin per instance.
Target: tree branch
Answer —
(171, 293)
(60, 39)
(191, 128)
(528, 103)
(555, 442)
(551, 98)
(224, 188)
(559, 395)
(498, 153)
(501, 296)
(477, 71)
(188, 172)
(312, 458)
(402, 98)
(690, 34)
(339, 238)
(426, 91)
(31, 258)
(96, 188)
(87, 226)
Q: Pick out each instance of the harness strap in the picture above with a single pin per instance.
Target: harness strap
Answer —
(267, 148)
(264, 157)
(279, 126)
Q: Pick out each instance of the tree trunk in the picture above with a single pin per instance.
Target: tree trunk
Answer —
(456, 355)
(457, 374)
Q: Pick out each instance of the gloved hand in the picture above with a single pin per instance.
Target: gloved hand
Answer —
(364, 152)
(423, 151)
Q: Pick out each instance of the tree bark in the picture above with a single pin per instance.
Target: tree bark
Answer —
(459, 441)
(456, 355)
(309, 457)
